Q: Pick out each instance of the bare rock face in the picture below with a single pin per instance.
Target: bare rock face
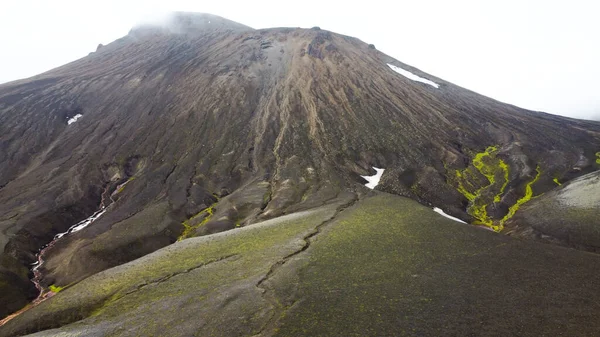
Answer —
(202, 125)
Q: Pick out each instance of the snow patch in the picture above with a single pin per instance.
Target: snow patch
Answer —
(439, 211)
(374, 179)
(412, 76)
(74, 119)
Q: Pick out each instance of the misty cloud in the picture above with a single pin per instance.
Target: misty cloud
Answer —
(537, 55)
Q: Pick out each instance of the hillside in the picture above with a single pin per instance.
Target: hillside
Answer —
(568, 216)
(204, 125)
(379, 266)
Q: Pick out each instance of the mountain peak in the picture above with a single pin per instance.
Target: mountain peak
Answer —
(194, 124)
(187, 23)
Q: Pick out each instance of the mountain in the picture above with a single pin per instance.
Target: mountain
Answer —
(567, 216)
(202, 125)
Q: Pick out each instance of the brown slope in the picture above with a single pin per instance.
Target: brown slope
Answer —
(255, 123)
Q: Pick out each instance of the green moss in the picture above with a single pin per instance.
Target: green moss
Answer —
(556, 181)
(374, 273)
(495, 170)
(122, 186)
(188, 229)
(528, 195)
(482, 167)
(461, 188)
(55, 289)
(598, 158)
(249, 248)
(504, 168)
(267, 197)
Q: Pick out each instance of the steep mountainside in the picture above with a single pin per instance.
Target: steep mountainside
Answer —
(204, 125)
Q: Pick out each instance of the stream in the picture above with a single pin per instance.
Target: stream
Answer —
(106, 201)
(37, 274)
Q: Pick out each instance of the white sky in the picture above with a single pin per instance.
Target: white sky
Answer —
(537, 54)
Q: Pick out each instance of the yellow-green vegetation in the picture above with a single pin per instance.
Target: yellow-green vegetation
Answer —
(483, 167)
(55, 289)
(481, 196)
(598, 158)
(528, 195)
(496, 171)
(556, 181)
(122, 186)
(504, 168)
(189, 229)
(197, 270)
(460, 177)
(392, 267)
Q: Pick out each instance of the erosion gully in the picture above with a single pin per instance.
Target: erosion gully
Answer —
(106, 201)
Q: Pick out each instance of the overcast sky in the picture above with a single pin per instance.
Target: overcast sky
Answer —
(538, 54)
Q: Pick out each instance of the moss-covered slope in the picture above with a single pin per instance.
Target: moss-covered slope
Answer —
(213, 125)
(389, 267)
(206, 284)
(385, 266)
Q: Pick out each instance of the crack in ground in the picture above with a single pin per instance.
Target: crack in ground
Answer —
(267, 293)
(170, 172)
(163, 279)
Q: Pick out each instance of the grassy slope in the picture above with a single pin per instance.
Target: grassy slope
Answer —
(391, 267)
(217, 109)
(206, 283)
(385, 267)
